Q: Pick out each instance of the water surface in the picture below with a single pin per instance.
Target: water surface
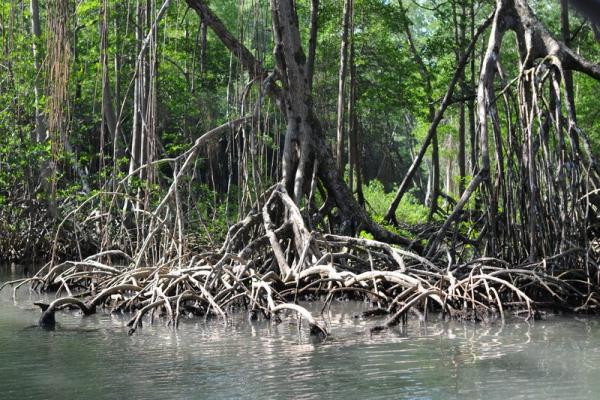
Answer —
(94, 358)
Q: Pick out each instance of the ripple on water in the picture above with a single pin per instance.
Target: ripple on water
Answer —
(93, 357)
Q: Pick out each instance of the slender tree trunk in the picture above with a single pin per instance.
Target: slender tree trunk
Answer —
(359, 162)
(435, 152)
(36, 31)
(117, 64)
(109, 117)
(462, 170)
(566, 38)
(116, 151)
(462, 164)
(448, 186)
(134, 161)
(352, 118)
(341, 86)
(203, 43)
(145, 90)
(471, 102)
(435, 179)
(312, 43)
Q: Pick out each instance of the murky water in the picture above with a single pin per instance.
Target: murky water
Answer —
(93, 358)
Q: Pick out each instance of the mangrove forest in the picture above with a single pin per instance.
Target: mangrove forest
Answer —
(180, 159)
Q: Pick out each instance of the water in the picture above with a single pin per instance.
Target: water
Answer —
(93, 358)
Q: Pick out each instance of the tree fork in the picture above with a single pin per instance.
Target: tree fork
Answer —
(304, 137)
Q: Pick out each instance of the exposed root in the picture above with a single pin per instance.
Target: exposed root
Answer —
(270, 261)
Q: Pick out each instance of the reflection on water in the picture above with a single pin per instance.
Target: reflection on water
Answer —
(93, 358)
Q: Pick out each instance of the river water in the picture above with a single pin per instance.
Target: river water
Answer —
(94, 358)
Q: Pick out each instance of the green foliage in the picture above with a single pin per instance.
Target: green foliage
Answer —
(409, 211)
(212, 214)
(392, 101)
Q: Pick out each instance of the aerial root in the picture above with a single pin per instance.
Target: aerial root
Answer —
(270, 261)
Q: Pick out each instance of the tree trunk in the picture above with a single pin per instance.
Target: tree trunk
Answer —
(471, 101)
(116, 151)
(435, 178)
(352, 117)
(203, 43)
(36, 31)
(134, 149)
(312, 42)
(566, 39)
(462, 170)
(435, 153)
(341, 86)
(109, 117)
(532, 220)
(304, 139)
